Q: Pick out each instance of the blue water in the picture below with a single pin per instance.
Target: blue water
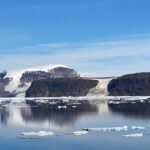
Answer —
(35, 116)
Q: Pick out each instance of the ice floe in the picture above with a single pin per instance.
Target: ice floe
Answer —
(137, 127)
(78, 133)
(136, 135)
(74, 106)
(62, 107)
(110, 129)
(38, 133)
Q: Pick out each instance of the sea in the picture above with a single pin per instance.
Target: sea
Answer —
(74, 123)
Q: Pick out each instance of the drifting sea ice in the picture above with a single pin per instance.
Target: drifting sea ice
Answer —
(136, 135)
(38, 133)
(62, 107)
(110, 129)
(78, 133)
(137, 127)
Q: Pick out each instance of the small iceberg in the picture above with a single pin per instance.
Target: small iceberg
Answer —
(110, 129)
(74, 106)
(62, 107)
(38, 133)
(78, 133)
(137, 127)
(136, 135)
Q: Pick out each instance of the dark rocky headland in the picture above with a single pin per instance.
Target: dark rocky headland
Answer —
(56, 87)
(130, 85)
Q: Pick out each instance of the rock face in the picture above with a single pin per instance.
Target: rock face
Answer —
(62, 72)
(58, 72)
(56, 87)
(3, 83)
(130, 85)
(30, 76)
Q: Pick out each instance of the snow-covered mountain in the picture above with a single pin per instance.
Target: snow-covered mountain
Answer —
(20, 80)
(19, 83)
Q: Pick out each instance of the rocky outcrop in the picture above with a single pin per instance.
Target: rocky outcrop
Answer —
(30, 76)
(62, 72)
(56, 87)
(3, 83)
(58, 72)
(130, 85)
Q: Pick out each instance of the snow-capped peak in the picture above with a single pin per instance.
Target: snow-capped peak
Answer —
(15, 76)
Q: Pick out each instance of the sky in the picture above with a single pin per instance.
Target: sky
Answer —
(104, 37)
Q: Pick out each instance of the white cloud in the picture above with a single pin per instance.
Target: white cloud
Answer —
(104, 58)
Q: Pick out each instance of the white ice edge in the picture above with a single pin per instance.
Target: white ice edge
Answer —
(135, 135)
(38, 133)
(131, 98)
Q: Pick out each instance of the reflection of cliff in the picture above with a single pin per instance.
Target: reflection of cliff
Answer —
(138, 110)
(4, 114)
(59, 117)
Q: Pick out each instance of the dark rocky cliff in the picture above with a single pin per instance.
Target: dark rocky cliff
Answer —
(56, 87)
(130, 85)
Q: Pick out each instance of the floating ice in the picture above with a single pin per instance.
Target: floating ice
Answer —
(137, 127)
(78, 133)
(62, 107)
(136, 135)
(110, 129)
(38, 133)
(74, 106)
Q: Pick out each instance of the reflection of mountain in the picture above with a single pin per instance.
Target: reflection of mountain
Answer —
(4, 114)
(37, 114)
(59, 116)
(138, 110)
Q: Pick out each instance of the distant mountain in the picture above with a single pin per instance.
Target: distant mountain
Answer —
(61, 80)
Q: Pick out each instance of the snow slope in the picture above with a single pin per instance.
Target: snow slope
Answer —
(101, 88)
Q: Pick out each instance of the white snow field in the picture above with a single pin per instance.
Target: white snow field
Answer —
(101, 88)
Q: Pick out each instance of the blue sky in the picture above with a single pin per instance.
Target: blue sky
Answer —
(106, 37)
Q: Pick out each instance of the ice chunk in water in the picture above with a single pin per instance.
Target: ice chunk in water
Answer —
(137, 127)
(62, 107)
(78, 133)
(38, 133)
(136, 135)
(110, 129)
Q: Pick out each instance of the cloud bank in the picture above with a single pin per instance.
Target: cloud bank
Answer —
(110, 58)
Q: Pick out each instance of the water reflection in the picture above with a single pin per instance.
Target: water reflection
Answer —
(60, 113)
(131, 109)
(54, 113)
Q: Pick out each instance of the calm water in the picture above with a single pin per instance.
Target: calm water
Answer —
(65, 117)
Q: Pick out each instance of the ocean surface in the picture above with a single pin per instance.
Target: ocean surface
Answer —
(74, 124)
